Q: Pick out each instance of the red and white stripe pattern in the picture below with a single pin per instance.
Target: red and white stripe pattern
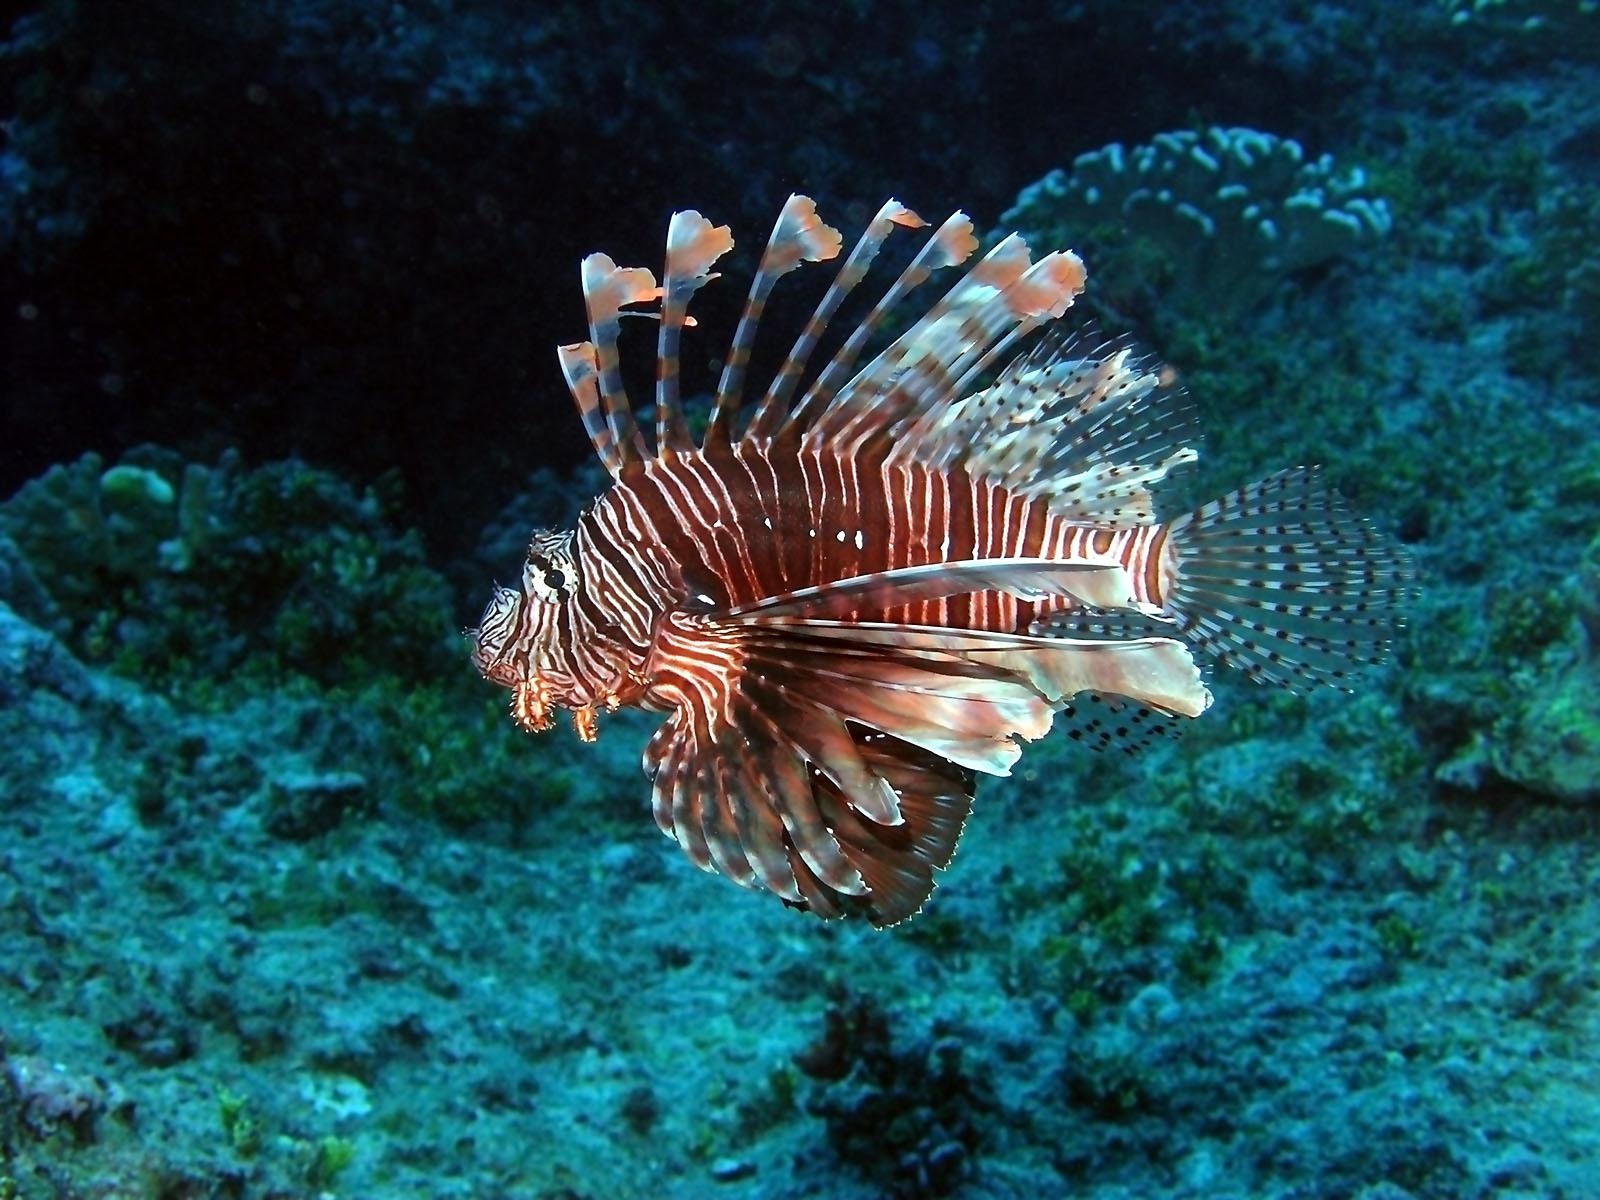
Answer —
(885, 578)
(747, 524)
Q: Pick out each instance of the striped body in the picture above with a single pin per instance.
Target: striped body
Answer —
(874, 584)
(750, 522)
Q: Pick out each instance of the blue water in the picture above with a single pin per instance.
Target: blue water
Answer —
(289, 907)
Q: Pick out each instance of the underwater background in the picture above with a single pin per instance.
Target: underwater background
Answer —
(288, 907)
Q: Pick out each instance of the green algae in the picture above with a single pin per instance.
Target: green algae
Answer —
(170, 572)
(1552, 744)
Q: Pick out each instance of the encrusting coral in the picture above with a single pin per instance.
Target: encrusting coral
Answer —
(1213, 219)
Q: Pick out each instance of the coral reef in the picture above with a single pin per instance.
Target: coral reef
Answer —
(306, 307)
(1541, 26)
(908, 1115)
(176, 571)
(1210, 220)
(288, 908)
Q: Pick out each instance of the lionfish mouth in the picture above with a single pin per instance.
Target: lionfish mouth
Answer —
(533, 706)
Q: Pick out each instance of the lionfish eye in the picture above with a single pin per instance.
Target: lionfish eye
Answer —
(550, 580)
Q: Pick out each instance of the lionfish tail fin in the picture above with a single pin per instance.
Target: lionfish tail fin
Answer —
(1281, 580)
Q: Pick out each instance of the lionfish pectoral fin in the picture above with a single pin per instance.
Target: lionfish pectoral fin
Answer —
(838, 781)
(927, 708)
(1155, 671)
(934, 701)
(703, 799)
(765, 815)
(897, 863)
(1102, 585)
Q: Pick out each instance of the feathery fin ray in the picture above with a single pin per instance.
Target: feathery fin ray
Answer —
(799, 235)
(693, 246)
(607, 290)
(1280, 579)
(862, 738)
(868, 757)
(772, 411)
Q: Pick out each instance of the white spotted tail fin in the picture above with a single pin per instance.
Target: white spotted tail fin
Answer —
(1283, 581)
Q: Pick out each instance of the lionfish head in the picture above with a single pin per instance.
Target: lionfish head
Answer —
(522, 641)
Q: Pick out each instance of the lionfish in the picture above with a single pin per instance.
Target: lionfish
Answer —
(858, 591)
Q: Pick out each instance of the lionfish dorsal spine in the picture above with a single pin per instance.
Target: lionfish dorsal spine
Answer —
(799, 235)
(1002, 296)
(774, 413)
(582, 373)
(1000, 299)
(951, 244)
(936, 335)
(1045, 291)
(693, 246)
(607, 290)
(981, 318)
